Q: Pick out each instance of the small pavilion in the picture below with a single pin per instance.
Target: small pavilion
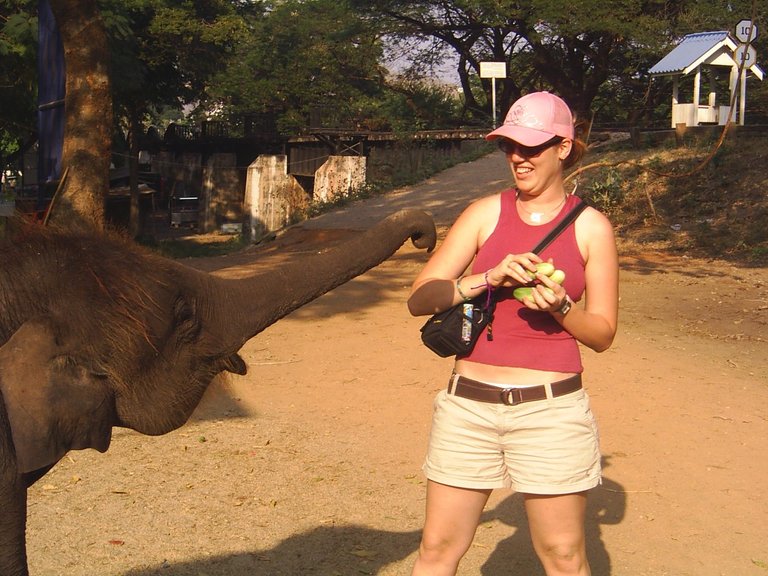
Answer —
(701, 54)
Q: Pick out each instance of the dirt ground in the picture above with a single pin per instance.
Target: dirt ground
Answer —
(311, 464)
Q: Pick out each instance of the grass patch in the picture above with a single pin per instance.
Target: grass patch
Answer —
(188, 247)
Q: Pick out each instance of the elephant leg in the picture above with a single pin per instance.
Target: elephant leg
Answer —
(13, 504)
(13, 521)
(31, 477)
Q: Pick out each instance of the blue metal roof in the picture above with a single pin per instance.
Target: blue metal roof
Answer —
(691, 50)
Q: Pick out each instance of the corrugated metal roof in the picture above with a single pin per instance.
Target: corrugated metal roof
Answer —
(691, 50)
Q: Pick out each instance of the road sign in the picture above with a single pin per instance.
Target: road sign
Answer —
(745, 53)
(746, 31)
(493, 69)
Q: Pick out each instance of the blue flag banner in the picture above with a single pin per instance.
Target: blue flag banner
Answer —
(50, 98)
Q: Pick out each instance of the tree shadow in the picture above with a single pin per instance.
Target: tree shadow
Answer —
(354, 549)
(606, 504)
(324, 550)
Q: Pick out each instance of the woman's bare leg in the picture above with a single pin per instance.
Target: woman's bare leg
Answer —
(451, 521)
(557, 531)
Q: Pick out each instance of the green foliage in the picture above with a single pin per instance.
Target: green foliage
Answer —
(606, 193)
(165, 52)
(589, 51)
(300, 56)
(407, 105)
(189, 248)
(18, 71)
(284, 59)
(320, 206)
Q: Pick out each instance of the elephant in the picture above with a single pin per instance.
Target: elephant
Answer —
(96, 333)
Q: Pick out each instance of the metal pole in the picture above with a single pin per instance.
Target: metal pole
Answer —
(743, 100)
(493, 99)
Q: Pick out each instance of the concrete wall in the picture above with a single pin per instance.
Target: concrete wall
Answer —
(222, 192)
(185, 167)
(338, 177)
(264, 198)
(407, 160)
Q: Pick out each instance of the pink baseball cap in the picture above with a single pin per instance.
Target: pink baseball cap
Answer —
(535, 118)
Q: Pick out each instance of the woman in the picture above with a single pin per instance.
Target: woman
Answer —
(515, 413)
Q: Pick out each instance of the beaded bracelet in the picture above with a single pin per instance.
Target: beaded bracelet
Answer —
(458, 289)
(485, 283)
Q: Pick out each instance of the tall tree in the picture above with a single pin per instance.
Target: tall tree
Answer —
(569, 46)
(86, 154)
(302, 55)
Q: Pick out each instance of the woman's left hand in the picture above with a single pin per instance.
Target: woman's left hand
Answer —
(547, 296)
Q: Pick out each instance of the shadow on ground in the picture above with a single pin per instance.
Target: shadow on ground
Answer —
(337, 550)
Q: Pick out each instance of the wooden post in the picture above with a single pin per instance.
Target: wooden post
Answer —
(680, 128)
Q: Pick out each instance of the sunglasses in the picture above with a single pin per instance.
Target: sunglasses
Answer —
(509, 146)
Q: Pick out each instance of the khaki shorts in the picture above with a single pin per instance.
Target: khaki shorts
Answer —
(542, 447)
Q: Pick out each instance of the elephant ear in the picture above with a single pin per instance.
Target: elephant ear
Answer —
(55, 401)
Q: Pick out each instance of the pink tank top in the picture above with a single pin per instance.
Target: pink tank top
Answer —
(522, 337)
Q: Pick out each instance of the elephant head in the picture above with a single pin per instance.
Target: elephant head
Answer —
(96, 332)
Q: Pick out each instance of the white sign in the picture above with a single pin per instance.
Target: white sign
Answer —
(746, 31)
(745, 53)
(493, 69)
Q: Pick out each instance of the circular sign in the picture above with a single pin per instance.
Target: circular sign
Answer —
(746, 31)
(747, 54)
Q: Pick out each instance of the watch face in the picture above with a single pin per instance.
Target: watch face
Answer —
(565, 308)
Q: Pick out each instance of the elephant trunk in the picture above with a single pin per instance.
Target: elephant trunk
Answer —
(245, 307)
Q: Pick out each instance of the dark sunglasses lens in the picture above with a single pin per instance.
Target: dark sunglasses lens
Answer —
(506, 146)
(509, 146)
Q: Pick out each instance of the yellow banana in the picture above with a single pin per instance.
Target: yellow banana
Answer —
(557, 276)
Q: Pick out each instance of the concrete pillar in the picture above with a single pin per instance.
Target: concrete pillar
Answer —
(339, 176)
(273, 198)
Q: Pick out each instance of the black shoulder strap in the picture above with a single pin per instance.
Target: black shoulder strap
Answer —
(564, 223)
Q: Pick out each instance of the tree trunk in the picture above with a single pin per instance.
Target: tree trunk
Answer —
(134, 135)
(87, 146)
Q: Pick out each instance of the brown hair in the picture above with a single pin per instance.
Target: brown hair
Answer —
(578, 149)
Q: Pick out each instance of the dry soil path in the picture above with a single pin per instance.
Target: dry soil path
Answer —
(310, 464)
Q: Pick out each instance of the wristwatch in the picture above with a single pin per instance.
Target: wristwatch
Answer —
(565, 307)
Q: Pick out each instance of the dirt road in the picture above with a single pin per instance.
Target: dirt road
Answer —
(310, 464)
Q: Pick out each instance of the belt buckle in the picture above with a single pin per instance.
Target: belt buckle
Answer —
(511, 396)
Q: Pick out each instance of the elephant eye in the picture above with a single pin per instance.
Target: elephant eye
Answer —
(186, 322)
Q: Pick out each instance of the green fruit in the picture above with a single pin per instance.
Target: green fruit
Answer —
(557, 276)
(522, 292)
(545, 268)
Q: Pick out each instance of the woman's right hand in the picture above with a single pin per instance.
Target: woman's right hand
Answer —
(513, 270)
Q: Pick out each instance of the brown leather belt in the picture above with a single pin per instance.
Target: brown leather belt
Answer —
(482, 392)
